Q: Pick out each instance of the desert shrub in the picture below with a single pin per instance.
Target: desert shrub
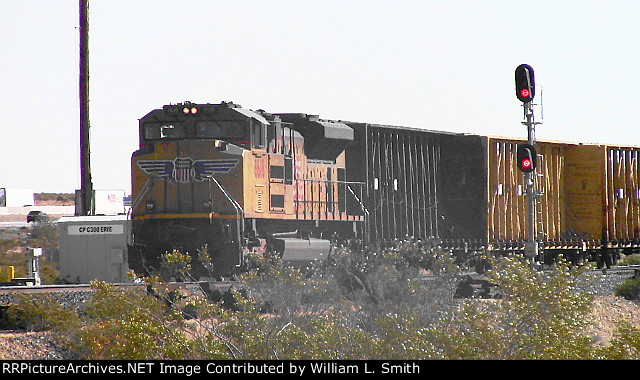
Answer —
(40, 312)
(625, 345)
(373, 304)
(630, 260)
(130, 324)
(629, 289)
(540, 316)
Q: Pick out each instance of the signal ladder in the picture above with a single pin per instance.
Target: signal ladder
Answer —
(538, 187)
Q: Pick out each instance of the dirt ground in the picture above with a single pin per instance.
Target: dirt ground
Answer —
(20, 345)
(608, 310)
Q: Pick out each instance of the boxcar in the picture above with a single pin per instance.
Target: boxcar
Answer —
(484, 196)
(400, 167)
(587, 201)
(603, 194)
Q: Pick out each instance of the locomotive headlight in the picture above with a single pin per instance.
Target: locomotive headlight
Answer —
(150, 204)
(220, 144)
(192, 110)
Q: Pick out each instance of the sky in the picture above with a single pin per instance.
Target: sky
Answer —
(432, 64)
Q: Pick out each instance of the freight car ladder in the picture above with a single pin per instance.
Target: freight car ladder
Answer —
(539, 187)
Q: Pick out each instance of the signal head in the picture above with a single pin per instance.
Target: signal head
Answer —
(527, 158)
(525, 83)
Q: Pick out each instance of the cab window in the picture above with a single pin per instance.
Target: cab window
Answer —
(159, 131)
(257, 134)
(220, 129)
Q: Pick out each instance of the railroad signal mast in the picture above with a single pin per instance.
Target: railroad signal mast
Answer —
(526, 155)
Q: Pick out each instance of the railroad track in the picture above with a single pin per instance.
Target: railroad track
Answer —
(77, 291)
(597, 281)
(619, 269)
(475, 282)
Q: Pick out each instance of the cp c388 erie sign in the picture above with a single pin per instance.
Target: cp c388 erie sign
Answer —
(96, 229)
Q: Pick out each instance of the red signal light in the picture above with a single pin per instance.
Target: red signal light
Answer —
(527, 157)
(525, 83)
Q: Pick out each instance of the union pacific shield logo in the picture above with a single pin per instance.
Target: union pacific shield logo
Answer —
(185, 169)
(182, 170)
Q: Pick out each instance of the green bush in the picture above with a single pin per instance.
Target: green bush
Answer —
(539, 317)
(629, 289)
(626, 344)
(39, 312)
(630, 260)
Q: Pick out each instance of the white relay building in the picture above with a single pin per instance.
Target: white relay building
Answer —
(93, 248)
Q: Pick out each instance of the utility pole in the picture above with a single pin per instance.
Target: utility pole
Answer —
(86, 191)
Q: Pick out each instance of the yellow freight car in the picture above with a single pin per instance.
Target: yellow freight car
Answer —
(603, 194)
(484, 200)
(587, 204)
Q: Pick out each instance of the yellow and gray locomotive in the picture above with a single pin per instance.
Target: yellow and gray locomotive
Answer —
(234, 180)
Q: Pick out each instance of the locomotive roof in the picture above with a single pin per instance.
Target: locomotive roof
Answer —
(258, 116)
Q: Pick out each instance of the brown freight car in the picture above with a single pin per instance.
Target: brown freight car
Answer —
(484, 200)
(587, 203)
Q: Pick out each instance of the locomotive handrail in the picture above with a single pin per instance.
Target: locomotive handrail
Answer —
(362, 206)
(143, 192)
(239, 212)
(328, 181)
(366, 215)
(333, 202)
(236, 205)
(147, 185)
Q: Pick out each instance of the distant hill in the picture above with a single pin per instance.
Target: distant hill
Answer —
(54, 199)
